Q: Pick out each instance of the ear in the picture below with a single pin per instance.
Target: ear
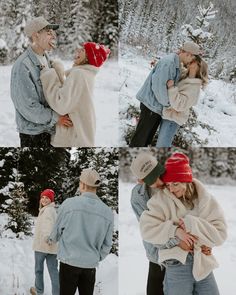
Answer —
(140, 181)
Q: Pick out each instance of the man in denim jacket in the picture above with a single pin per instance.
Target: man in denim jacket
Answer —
(148, 171)
(34, 118)
(153, 95)
(84, 229)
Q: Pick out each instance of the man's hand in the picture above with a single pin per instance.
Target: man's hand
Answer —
(170, 83)
(153, 63)
(186, 237)
(65, 121)
(185, 247)
(206, 250)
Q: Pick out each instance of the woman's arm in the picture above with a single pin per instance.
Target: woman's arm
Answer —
(62, 99)
(182, 98)
(154, 225)
(211, 230)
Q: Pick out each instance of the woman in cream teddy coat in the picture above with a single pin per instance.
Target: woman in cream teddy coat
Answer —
(43, 227)
(181, 98)
(184, 209)
(74, 95)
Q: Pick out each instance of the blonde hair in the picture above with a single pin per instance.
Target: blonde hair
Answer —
(189, 195)
(202, 73)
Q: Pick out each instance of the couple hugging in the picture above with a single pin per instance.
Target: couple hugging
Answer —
(180, 223)
(54, 107)
(170, 90)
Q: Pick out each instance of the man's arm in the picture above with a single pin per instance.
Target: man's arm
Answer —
(27, 101)
(107, 243)
(161, 75)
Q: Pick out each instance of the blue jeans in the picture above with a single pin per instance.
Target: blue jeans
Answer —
(167, 132)
(51, 261)
(179, 280)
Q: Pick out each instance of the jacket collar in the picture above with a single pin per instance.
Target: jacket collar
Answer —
(88, 195)
(177, 61)
(34, 58)
(52, 204)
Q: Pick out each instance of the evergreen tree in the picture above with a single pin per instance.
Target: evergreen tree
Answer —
(16, 208)
(200, 33)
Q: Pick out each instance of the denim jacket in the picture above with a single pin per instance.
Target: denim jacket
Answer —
(33, 114)
(84, 229)
(153, 93)
(139, 198)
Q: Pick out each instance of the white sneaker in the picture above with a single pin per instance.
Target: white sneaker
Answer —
(33, 291)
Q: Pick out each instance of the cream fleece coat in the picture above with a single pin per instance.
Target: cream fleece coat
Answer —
(206, 220)
(74, 98)
(182, 98)
(43, 227)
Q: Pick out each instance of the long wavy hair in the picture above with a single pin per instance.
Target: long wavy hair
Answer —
(189, 195)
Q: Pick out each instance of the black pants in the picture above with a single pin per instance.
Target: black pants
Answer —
(72, 277)
(155, 279)
(39, 140)
(146, 128)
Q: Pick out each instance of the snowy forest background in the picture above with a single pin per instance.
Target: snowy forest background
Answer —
(210, 165)
(150, 29)
(24, 173)
(79, 20)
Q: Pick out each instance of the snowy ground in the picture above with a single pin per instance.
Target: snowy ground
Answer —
(105, 100)
(216, 106)
(17, 267)
(133, 264)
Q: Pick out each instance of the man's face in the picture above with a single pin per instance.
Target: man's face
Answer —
(45, 39)
(187, 58)
(157, 184)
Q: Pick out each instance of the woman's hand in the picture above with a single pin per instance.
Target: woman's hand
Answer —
(185, 247)
(170, 83)
(186, 237)
(181, 224)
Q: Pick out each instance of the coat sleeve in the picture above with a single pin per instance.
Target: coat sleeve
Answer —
(48, 222)
(27, 101)
(159, 79)
(59, 225)
(180, 99)
(107, 243)
(154, 226)
(63, 99)
(211, 230)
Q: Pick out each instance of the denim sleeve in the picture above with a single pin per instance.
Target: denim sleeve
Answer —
(27, 100)
(107, 243)
(160, 76)
(138, 203)
(170, 244)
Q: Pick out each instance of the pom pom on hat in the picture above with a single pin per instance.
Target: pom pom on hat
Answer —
(177, 169)
(48, 193)
(96, 54)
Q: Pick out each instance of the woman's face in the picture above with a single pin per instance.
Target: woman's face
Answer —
(193, 68)
(45, 201)
(80, 56)
(176, 188)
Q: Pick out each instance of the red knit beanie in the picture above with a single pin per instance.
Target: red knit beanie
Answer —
(96, 53)
(177, 169)
(48, 193)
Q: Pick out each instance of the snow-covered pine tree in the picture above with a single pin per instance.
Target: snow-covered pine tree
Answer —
(105, 28)
(200, 32)
(8, 165)
(16, 207)
(42, 168)
(3, 52)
